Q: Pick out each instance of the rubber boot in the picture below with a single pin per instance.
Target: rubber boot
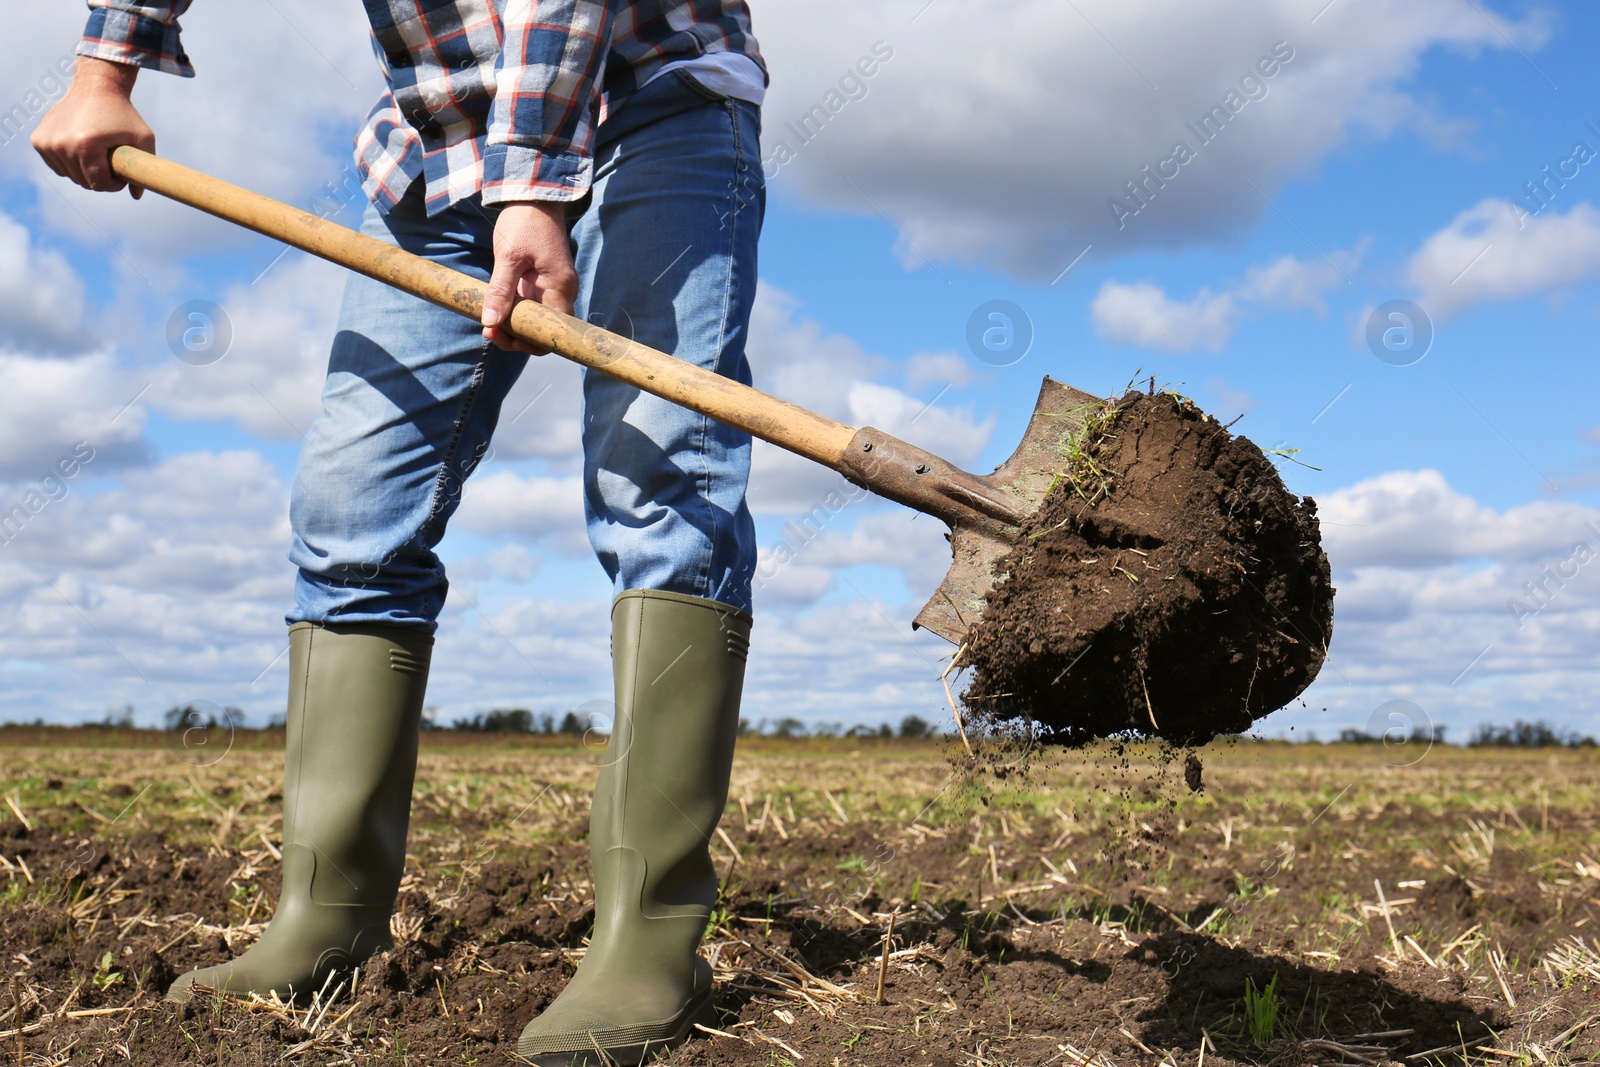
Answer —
(678, 663)
(355, 707)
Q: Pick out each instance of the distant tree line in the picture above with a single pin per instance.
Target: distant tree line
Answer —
(1434, 735)
(521, 720)
(499, 721)
(178, 717)
(1520, 734)
(193, 717)
(1528, 735)
(913, 727)
(514, 721)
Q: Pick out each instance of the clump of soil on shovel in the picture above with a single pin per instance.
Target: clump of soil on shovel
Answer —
(1169, 585)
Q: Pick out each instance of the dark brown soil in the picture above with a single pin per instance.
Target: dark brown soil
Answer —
(988, 969)
(1171, 586)
(1194, 773)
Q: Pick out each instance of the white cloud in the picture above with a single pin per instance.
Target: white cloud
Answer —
(499, 503)
(541, 415)
(799, 566)
(1143, 314)
(782, 483)
(1474, 613)
(1229, 399)
(277, 100)
(934, 370)
(99, 646)
(796, 358)
(854, 661)
(1512, 638)
(954, 433)
(1055, 107)
(168, 587)
(67, 402)
(49, 406)
(41, 299)
(1292, 282)
(544, 655)
(915, 545)
(1489, 253)
(889, 150)
(1416, 519)
(793, 584)
(211, 523)
(172, 586)
(508, 563)
(270, 379)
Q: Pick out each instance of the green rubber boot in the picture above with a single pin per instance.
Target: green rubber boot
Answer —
(355, 706)
(679, 666)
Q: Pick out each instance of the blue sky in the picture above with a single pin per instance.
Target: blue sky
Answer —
(1378, 163)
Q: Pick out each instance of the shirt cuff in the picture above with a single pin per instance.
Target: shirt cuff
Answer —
(136, 40)
(513, 173)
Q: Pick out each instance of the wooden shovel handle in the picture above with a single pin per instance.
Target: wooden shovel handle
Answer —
(786, 425)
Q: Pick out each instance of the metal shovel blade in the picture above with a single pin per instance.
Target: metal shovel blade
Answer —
(976, 545)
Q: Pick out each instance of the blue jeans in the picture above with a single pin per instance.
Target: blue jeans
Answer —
(666, 254)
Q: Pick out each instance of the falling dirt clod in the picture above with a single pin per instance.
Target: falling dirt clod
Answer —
(1170, 586)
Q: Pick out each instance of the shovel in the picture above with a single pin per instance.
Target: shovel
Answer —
(983, 512)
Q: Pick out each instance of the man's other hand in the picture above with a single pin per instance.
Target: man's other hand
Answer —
(77, 135)
(532, 261)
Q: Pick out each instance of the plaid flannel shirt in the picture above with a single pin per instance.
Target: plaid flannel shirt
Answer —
(500, 97)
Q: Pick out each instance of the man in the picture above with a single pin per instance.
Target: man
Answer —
(600, 158)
